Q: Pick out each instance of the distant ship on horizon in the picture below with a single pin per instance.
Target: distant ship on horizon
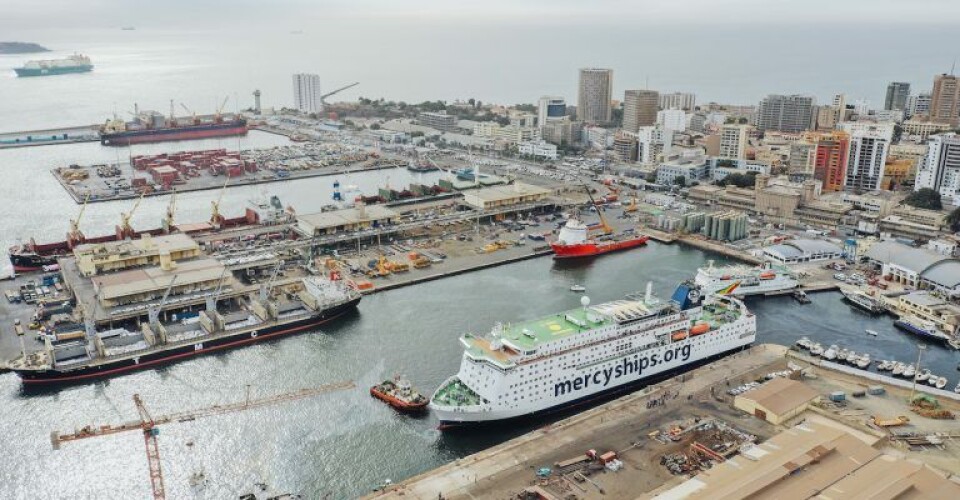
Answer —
(77, 63)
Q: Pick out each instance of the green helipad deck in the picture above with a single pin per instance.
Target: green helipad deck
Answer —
(530, 334)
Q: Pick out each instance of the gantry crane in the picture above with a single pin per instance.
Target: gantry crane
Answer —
(148, 425)
(125, 230)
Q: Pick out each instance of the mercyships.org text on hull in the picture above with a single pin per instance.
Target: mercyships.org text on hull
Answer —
(582, 354)
(243, 320)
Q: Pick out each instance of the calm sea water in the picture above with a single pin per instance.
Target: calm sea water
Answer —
(506, 62)
(345, 443)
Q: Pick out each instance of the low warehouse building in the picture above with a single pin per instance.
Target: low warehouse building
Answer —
(149, 284)
(517, 193)
(794, 251)
(96, 258)
(776, 401)
(350, 219)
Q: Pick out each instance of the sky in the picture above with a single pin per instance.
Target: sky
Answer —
(194, 13)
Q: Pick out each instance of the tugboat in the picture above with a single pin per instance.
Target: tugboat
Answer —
(399, 394)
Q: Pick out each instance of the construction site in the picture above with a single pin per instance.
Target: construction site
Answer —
(687, 437)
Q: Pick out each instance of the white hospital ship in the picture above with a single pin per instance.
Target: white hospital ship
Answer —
(577, 355)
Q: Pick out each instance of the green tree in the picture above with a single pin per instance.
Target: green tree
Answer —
(529, 108)
(924, 198)
(680, 180)
(651, 178)
(954, 220)
(375, 126)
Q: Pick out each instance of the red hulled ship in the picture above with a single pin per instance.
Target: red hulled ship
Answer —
(399, 394)
(576, 238)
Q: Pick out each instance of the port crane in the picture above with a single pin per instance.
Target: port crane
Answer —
(192, 113)
(341, 89)
(148, 424)
(171, 210)
(75, 235)
(218, 117)
(215, 218)
(604, 226)
(125, 229)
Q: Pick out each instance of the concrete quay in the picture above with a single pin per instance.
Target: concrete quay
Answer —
(63, 135)
(482, 475)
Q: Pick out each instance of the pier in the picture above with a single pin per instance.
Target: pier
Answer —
(62, 135)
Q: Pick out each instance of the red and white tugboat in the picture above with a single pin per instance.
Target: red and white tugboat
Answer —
(399, 394)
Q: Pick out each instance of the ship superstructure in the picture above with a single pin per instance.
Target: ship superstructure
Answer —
(581, 354)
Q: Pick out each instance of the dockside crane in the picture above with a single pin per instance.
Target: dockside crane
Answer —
(341, 89)
(126, 230)
(191, 113)
(171, 210)
(148, 425)
(215, 218)
(75, 235)
(218, 117)
(604, 226)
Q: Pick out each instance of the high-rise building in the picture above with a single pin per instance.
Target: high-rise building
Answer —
(594, 95)
(945, 100)
(866, 161)
(840, 104)
(678, 100)
(733, 141)
(829, 158)
(673, 119)
(940, 168)
(625, 146)
(550, 107)
(557, 131)
(919, 104)
(640, 109)
(786, 113)
(800, 165)
(306, 93)
(826, 117)
(897, 93)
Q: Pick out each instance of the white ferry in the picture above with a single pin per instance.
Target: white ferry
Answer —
(741, 281)
(582, 354)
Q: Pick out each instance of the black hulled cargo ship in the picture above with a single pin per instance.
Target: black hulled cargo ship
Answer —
(85, 356)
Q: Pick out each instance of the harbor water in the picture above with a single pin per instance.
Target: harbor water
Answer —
(344, 444)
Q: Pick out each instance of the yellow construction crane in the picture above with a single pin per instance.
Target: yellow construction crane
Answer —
(215, 217)
(126, 230)
(171, 210)
(148, 424)
(604, 227)
(75, 235)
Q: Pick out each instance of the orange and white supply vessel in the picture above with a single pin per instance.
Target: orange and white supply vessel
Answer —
(399, 394)
(575, 240)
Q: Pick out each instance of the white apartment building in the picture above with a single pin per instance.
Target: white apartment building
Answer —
(940, 168)
(678, 100)
(865, 165)
(306, 93)
(733, 140)
(539, 149)
(653, 143)
(673, 119)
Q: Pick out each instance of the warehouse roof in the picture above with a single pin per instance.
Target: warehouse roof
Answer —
(347, 216)
(783, 251)
(145, 245)
(916, 259)
(946, 273)
(153, 279)
(515, 190)
(814, 461)
(781, 395)
(813, 246)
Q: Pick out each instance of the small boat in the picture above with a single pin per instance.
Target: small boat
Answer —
(816, 349)
(399, 394)
(578, 288)
(864, 362)
(909, 371)
(923, 375)
(883, 365)
(898, 369)
(941, 382)
(804, 343)
(872, 333)
(957, 388)
(843, 354)
(852, 357)
(932, 379)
